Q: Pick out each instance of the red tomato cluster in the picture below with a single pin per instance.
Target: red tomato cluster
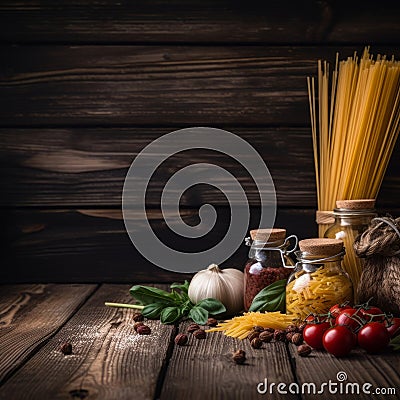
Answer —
(345, 327)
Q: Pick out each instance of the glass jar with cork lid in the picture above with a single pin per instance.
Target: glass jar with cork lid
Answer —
(268, 261)
(352, 218)
(318, 281)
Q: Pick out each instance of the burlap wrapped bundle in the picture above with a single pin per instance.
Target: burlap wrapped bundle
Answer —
(380, 279)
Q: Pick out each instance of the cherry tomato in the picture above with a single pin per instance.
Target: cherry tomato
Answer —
(338, 308)
(350, 318)
(373, 337)
(393, 327)
(371, 313)
(313, 334)
(339, 341)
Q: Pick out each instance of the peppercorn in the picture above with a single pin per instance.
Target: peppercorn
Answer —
(271, 330)
(297, 339)
(199, 334)
(304, 350)
(252, 335)
(239, 356)
(266, 337)
(291, 328)
(138, 317)
(66, 348)
(212, 322)
(181, 339)
(258, 328)
(143, 330)
(192, 327)
(256, 343)
(136, 325)
(289, 336)
(301, 327)
(280, 335)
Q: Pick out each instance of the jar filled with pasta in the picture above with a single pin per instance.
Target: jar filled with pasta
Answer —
(318, 281)
(352, 218)
(268, 261)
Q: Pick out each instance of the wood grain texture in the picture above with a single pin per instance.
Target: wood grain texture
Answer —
(381, 371)
(109, 360)
(91, 245)
(204, 369)
(74, 167)
(199, 21)
(30, 315)
(180, 85)
(87, 167)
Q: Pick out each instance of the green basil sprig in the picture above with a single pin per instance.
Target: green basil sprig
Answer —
(395, 343)
(172, 306)
(271, 298)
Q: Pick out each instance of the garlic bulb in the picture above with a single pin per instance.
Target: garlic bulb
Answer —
(223, 285)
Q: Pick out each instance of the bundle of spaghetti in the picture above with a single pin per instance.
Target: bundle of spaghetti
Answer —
(240, 327)
(354, 130)
(316, 292)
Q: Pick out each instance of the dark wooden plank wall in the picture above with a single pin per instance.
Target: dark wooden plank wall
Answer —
(84, 86)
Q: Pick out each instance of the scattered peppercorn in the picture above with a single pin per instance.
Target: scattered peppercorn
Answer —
(192, 328)
(239, 356)
(297, 339)
(143, 330)
(212, 322)
(291, 328)
(66, 348)
(136, 325)
(258, 329)
(181, 339)
(256, 343)
(199, 334)
(266, 337)
(289, 336)
(301, 327)
(252, 335)
(304, 350)
(138, 317)
(272, 330)
(280, 335)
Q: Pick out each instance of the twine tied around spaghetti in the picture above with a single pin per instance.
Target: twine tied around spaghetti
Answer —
(382, 237)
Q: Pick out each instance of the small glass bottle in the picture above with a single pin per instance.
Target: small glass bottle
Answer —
(352, 218)
(318, 281)
(268, 261)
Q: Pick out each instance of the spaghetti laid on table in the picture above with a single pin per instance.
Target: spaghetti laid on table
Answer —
(354, 129)
(240, 327)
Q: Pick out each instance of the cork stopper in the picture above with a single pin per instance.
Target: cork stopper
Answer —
(321, 246)
(361, 204)
(268, 235)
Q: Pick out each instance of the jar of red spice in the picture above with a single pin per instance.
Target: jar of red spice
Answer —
(268, 261)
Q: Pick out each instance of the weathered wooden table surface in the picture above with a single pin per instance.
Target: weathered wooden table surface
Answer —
(110, 361)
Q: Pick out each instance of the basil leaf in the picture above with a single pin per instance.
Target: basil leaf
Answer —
(153, 311)
(271, 298)
(395, 343)
(148, 295)
(213, 306)
(183, 287)
(187, 306)
(199, 315)
(170, 314)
